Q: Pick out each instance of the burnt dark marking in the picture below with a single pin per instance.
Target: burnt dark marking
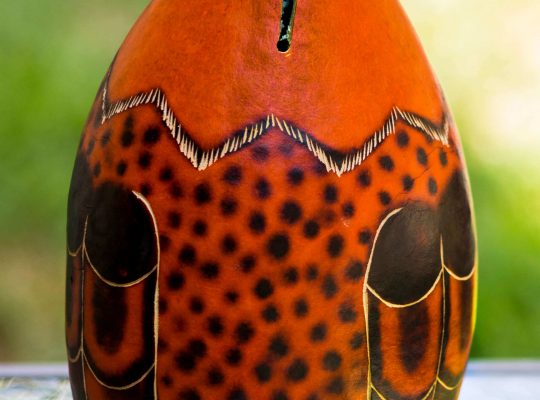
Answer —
(185, 361)
(145, 160)
(187, 255)
(234, 356)
(384, 198)
(329, 287)
(151, 136)
(335, 245)
(312, 272)
(263, 372)
(421, 156)
(263, 190)
(346, 313)
(336, 386)
(233, 175)
(407, 183)
(263, 289)
(166, 174)
(280, 395)
(142, 390)
(311, 229)
(228, 206)
(357, 340)
(290, 212)
(244, 332)
(278, 346)
(291, 276)
(176, 280)
(109, 314)
(414, 335)
(215, 325)
(295, 176)
(364, 178)
(215, 377)
(257, 222)
(301, 308)
(189, 394)
(432, 186)
(402, 139)
(80, 200)
(247, 263)
(348, 209)
(386, 163)
(202, 194)
(229, 244)
(364, 236)
(237, 393)
(278, 246)
(457, 227)
(297, 370)
(270, 314)
(141, 358)
(318, 332)
(409, 246)
(196, 305)
(330, 194)
(354, 271)
(106, 138)
(120, 237)
(331, 360)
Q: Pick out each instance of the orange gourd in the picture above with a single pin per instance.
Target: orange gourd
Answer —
(270, 202)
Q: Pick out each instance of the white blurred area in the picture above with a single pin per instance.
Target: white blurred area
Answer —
(487, 56)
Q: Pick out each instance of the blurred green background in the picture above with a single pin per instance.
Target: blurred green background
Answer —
(54, 53)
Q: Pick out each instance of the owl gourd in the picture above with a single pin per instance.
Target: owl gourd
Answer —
(270, 201)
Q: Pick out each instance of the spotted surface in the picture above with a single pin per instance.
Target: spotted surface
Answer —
(260, 287)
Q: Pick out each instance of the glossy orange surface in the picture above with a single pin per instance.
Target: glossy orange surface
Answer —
(231, 204)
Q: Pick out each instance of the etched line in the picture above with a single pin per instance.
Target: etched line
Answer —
(202, 159)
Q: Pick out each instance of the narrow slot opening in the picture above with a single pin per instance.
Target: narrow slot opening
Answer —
(288, 9)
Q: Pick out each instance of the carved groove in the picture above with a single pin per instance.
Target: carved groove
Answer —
(333, 160)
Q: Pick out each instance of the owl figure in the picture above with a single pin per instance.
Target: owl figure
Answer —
(270, 202)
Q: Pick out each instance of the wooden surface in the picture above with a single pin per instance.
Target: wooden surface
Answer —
(493, 380)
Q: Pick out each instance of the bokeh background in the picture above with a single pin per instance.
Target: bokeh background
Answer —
(54, 53)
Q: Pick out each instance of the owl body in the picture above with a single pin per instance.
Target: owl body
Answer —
(251, 223)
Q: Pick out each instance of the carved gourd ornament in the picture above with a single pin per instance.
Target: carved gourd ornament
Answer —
(270, 202)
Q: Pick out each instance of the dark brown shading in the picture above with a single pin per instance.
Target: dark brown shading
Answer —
(457, 227)
(409, 246)
(120, 236)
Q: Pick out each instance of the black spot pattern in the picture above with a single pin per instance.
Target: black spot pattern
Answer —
(335, 245)
(290, 212)
(331, 360)
(295, 176)
(318, 332)
(263, 372)
(386, 163)
(257, 222)
(421, 156)
(297, 370)
(233, 175)
(263, 190)
(402, 139)
(364, 178)
(263, 289)
(330, 194)
(278, 346)
(278, 246)
(311, 229)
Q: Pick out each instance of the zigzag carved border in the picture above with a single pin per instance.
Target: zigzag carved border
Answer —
(333, 160)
